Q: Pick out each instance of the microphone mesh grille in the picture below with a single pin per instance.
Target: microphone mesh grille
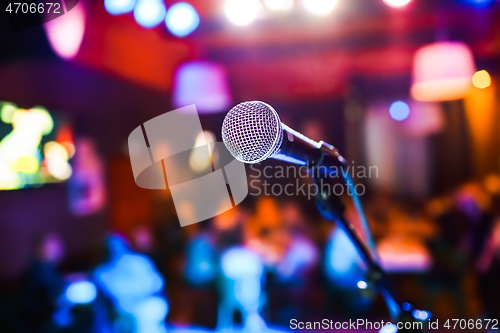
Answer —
(252, 131)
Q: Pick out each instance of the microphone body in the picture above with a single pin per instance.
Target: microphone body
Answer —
(298, 149)
(253, 132)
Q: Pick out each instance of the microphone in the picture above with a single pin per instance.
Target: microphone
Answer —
(253, 132)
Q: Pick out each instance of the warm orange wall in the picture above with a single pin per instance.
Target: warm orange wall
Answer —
(481, 107)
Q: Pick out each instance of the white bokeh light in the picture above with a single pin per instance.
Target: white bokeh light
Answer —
(279, 4)
(182, 19)
(81, 292)
(149, 13)
(117, 7)
(397, 3)
(242, 12)
(362, 285)
(319, 7)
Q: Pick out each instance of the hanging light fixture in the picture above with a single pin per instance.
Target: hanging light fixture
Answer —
(442, 72)
(201, 83)
(65, 33)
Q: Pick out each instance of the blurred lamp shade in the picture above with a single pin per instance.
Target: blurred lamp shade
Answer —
(65, 33)
(442, 72)
(203, 84)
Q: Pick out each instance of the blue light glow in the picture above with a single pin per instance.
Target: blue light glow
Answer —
(132, 275)
(421, 315)
(201, 266)
(117, 7)
(399, 110)
(240, 263)
(150, 314)
(479, 3)
(343, 265)
(149, 13)
(81, 292)
(182, 19)
(406, 306)
(132, 282)
(389, 328)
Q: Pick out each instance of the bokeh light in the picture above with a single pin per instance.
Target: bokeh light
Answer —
(22, 161)
(132, 280)
(279, 4)
(199, 160)
(406, 306)
(26, 164)
(240, 263)
(81, 292)
(481, 79)
(319, 7)
(362, 285)
(55, 151)
(150, 314)
(9, 180)
(117, 7)
(65, 33)
(19, 149)
(57, 160)
(131, 276)
(43, 119)
(342, 263)
(149, 13)
(182, 19)
(399, 110)
(61, 170)
(201, 266)
(242, 12)
(420, 315)
(397, 3)
(492, 184)
(479, 3)
(389, 328)
(7, 112)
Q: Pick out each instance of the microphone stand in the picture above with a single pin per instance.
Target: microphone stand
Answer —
(332, 208)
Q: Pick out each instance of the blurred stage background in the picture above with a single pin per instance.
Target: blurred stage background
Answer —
(410, 87)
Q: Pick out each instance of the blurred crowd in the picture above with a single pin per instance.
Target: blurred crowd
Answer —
(265, 262)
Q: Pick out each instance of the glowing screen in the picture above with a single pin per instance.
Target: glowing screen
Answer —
(35, 149)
